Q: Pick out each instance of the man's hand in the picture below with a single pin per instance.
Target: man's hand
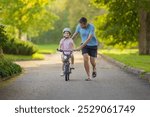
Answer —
(78, 49)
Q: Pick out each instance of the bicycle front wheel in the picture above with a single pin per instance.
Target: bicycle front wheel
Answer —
(66, 77)
(66, 72)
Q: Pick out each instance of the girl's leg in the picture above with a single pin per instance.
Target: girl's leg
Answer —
(62, 72)
(72, 61)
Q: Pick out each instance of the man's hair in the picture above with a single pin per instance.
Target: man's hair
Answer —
(83, 20)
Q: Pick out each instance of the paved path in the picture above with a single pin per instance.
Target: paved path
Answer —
(41, 80)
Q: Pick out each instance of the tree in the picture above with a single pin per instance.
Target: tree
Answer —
(78, 9)
(54, 35)
(127, 21)
(3, 38)
(69, 13)
(30, 17)
(144, 33)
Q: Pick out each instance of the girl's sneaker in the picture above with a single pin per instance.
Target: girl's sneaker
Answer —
(62, 73)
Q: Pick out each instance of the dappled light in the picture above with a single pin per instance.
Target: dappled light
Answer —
(49, 60)
(108, 42)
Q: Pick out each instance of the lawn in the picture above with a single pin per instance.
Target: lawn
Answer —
(35, 56)
(43, 49)
(47, 48)
(130, 57)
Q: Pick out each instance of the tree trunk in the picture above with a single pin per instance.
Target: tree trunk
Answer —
(144, 34)
(1, 52)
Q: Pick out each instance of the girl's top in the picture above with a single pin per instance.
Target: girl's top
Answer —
(66, 44)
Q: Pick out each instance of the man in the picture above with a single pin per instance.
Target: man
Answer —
(88, 46)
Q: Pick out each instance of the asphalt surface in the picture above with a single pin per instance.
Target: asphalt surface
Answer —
(41, 81)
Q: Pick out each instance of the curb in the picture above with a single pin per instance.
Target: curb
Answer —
(141, 73)
(9, 77)
(12, 76)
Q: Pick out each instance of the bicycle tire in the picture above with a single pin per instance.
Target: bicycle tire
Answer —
(66, 72)
(66, 77)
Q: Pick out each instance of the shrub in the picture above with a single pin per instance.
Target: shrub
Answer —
(38, 56)
(19, 47)
(15, 46)
(7, 68)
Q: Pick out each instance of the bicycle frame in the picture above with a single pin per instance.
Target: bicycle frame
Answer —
(67, 69)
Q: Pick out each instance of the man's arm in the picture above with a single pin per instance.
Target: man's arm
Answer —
(91, 34)
(74, 35)
(85, 43)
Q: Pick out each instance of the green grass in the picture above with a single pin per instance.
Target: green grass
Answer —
(17, 57)
(47, 48)
(43, 49)
(35, 56)
(130, 57)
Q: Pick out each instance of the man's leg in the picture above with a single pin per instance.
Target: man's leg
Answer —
(93, 63)
(86, 64)
(93, 55)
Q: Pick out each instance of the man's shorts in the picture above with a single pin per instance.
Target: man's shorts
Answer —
(90, 50)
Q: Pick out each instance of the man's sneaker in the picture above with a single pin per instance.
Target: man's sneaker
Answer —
(88, 79)
(94, 74)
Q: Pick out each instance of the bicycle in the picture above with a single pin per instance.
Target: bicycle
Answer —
(66, 59)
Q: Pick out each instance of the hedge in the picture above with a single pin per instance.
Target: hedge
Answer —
(8, 68)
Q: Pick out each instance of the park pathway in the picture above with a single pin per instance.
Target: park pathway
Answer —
(41, 80)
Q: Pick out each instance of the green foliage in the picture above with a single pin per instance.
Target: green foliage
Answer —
(82, 8)
(47, 48)
(13, 57)
(69, 13)
(7, 68)
(121, 24)
(15, 46)
(18, 47)
(35, 56)
(38, 56)
(54, 36)
(27, 16)
(3, 37)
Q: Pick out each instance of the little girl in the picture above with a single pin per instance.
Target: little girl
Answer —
(66, 43)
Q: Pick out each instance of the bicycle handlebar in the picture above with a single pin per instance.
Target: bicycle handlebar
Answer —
(66, 50)
(63, 51)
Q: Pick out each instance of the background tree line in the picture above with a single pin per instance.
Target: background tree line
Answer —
(119, 23)
(69, 13)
